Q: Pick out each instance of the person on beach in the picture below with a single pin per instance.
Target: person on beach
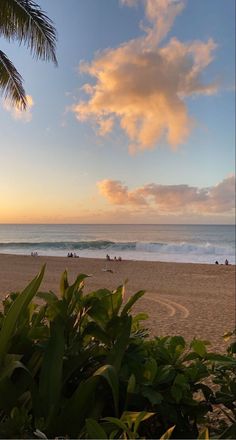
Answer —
(226, 262)
(108, 257)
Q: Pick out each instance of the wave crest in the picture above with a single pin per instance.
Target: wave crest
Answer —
(147, 247)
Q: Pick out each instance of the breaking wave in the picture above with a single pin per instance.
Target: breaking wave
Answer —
(139, 247)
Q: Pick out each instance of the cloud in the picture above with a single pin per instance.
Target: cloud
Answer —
(161, 14)
(118, 194)
(143, 86)
(175, 199)
(17, 113)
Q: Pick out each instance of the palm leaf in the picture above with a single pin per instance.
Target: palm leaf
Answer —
(11, 82)
(25, 21)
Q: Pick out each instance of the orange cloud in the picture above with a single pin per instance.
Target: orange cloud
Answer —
(182, 199)
(19, 114)
(143, 86)
(118, 194)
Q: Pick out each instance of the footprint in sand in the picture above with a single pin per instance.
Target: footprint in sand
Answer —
(171, 306)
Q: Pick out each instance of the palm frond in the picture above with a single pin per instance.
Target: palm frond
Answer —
(11, 82)
(25, 21)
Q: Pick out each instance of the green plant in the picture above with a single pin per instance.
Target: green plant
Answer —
(61, 360)
(77, 365)
(125, 427)
(223, 370)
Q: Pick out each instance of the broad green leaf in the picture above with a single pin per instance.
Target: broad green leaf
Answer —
(64, 283)
(74, 363)
(131, 384)
(71, 290)
(215, 357)
(140, 317)
(99, 294)
(167, 434)
(95, 330)
(77, 408)
(199, 347)
(11, 363)
(191, 356)
(136, 415)
(114, 434)
(116, 355)
(94, 430)
(181, 380)
(55, 309)
(34, 363)
(39, 316)
(116, 422)
(132, 300)
(165, 374)
(176, 393)
(48, 297)
(141, 417)
(109, 373)
(97, 311)
(40, 332)
(153, 396)
(150, 370)
(16, 311)
(50, 381)
(116, 300)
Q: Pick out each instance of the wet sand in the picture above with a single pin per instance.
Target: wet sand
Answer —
(192, 300)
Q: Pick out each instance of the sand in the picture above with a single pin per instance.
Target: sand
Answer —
(192, 300)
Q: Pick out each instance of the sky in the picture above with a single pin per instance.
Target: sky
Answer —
(135, 125)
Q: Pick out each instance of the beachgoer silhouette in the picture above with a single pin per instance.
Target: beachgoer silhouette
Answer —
(216, 262)
(226, 262)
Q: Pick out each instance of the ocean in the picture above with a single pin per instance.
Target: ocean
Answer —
(176, 243)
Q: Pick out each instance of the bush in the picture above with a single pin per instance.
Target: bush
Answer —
(80, 365)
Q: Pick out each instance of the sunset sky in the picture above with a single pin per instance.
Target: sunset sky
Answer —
(136, 125)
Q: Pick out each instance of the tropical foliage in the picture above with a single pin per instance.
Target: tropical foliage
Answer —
(81, 366)
(24, 21)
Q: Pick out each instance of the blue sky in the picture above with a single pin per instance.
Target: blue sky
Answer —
(56, 168)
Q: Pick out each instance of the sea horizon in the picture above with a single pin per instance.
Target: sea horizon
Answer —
(201, 243)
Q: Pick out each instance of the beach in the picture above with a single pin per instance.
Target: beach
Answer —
(192, 300)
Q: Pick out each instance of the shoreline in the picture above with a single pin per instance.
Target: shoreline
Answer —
(112, 259)
(191, 299)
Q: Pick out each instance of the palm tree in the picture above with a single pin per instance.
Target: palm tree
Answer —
(24, 21)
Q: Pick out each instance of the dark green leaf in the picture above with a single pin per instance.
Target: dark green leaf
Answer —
(132, 300)
(16, 311)
(109, 373)
(94, 430)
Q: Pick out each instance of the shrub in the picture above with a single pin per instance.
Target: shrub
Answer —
(80, 365)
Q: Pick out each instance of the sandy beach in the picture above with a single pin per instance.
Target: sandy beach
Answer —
(194, 300)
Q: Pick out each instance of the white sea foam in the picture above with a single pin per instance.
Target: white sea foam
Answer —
(197, 244)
